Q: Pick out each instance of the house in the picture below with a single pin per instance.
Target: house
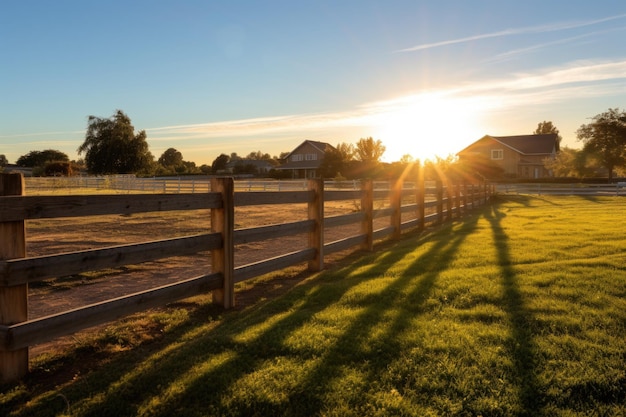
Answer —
(519, 156)
(305, 160)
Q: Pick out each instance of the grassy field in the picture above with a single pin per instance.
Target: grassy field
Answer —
(520, 310)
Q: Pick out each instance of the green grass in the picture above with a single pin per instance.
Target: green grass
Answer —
(519, 310)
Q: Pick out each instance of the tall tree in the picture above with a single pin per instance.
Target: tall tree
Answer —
(112, 147)
(219, 164)
(369, 151)
(337, 160)
(40, 158)
(547, 127)
(605, 137)
(3, 161)
(171, 158)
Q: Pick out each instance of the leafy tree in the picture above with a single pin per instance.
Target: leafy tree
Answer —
(39, 158)
(219, 164)
(59, 169)
(547, 127)
(171, 158)
(605, 137)
(112, 147)
(369, 151)
(3, 161)
(259, 156)
(337, 160)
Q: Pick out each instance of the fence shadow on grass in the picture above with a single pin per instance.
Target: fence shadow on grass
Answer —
(147, 373)
(405, 293)
(522, 348)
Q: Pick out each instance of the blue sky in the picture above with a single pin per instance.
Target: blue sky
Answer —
(208, 77)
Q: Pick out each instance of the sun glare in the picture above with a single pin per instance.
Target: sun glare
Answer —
(426, 125)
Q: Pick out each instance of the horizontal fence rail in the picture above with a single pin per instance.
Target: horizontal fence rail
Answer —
(617, 189)
(406, 205)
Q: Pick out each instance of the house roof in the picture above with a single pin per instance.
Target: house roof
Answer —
(304, 164)
(320, 146)
(525, 144)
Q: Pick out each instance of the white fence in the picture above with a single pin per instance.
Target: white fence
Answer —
(563, 189)
(176, 185)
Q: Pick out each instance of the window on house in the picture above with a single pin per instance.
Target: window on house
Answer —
(497, 154)
(311, 157)
(296, 157)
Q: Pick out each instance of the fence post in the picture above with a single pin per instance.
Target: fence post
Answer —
(448, 200)
(439, 201)
(367, 206)
(421, 198)
(396, 203)
(457, 191)
(316, 213)
(465, 208)
(14, 299)
(223, 259)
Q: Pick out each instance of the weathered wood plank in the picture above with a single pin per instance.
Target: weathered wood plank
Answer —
(256, 234)
(47, 328)
(315, 212)
(410, 224)
(277, 263)
(346, 243)
(344, 219)
(342, 195)
(13, 300)
(40, 207)
(258, 198)
(382, 212)
(383, 232)
(223, 258)
(19, 271)
(408, 208)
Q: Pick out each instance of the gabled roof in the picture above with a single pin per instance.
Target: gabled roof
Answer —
(320, 146)
(525, 144)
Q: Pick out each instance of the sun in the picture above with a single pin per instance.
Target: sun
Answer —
(426, 125)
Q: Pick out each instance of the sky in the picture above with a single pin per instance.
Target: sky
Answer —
(426, 78)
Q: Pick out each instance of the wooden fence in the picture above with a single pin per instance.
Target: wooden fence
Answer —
(616, 189)
(18, 332)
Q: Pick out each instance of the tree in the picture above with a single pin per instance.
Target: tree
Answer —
(220, 163)
(259, 156)
(605, 137)
(3, 161)
(369, 151)
(171, 158)
(112, 147)
(337, 160)
(39, 158)
(547, 127)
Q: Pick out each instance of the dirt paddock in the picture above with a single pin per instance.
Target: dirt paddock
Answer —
(53, 236)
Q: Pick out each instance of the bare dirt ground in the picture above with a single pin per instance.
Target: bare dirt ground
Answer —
(72, 234)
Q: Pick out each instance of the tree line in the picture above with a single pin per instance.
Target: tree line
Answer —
(112, 146)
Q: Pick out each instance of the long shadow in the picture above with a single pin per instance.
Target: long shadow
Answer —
(522, 349)
(132, 379)
(135, 380)
(429, 264)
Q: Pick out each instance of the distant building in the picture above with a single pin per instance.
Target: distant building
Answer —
(305, 160)
(518, 156)
(11, 168)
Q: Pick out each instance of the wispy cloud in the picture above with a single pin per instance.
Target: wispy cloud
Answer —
(510, 32)
(570, 82)
(521, 51)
